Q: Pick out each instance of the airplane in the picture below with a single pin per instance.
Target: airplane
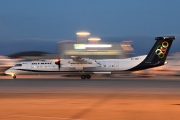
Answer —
(85, 66)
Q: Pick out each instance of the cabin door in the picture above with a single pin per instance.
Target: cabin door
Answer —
(29, 66)
(116, 66)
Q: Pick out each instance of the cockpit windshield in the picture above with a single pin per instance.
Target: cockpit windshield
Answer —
(18, 65)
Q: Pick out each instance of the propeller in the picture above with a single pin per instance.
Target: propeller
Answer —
(58, 62)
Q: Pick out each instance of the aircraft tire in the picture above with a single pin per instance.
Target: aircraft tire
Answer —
(83, 76)
(14, 77)
(88, 76)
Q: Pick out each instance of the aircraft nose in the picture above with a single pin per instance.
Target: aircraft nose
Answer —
(8, 71)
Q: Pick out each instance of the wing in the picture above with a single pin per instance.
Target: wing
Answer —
(77, 58)
(79, 63)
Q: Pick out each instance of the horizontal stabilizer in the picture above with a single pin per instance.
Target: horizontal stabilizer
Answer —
(166, 38)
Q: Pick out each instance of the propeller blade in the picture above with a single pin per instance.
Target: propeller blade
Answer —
(58, 62)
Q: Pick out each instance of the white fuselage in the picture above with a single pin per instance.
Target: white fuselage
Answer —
(70, 66)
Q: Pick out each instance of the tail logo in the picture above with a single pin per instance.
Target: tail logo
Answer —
(161, 49)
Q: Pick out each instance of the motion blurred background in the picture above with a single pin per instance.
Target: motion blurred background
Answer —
(44, 29)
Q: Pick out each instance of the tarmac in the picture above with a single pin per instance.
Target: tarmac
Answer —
(100, 98)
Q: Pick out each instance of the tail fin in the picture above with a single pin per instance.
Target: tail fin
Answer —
(160, 50)
(157, 55)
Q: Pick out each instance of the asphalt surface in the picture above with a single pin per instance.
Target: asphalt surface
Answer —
(101, 98)
(44, 84)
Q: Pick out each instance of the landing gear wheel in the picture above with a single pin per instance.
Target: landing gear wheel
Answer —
(14, 77)
(88, 76)
(83, 77)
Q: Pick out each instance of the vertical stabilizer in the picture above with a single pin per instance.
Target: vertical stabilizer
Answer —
(160, 49)
(157, 54)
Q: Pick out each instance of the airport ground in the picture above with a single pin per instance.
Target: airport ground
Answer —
(100, 98)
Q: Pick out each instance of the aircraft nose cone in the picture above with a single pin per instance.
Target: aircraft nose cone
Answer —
(8, 71)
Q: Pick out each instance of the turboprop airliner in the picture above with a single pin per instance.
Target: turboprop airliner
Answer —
(85, 66)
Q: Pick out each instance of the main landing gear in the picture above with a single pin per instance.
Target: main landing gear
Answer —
(85, 76)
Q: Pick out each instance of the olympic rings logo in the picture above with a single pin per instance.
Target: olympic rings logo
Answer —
(161, 49)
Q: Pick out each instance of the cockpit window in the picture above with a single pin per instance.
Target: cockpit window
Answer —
(18, 65)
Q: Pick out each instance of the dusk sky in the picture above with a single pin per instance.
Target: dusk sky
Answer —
(54, 20)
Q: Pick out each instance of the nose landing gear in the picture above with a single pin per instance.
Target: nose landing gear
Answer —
(14, 76)
(86, 76)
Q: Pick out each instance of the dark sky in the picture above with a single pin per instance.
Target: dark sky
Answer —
(54, 20)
